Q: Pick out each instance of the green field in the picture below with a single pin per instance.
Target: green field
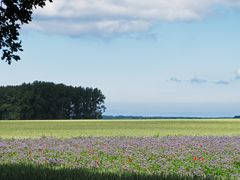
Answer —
(170, 127)
(185, 154)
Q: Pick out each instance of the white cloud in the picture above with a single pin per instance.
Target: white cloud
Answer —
(222, 82)
(102, 28)
(194, 80)
(237, 73)
(76, 17)
(174, 79)
(197, 80)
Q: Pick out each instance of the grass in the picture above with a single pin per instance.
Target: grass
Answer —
(11, 168)
(133, 128)
(114, 158)
(31, 172)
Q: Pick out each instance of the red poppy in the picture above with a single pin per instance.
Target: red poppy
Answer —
(201, 145)
(195, 158)
(97, 163)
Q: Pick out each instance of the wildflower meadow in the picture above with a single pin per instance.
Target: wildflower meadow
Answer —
(203, 157)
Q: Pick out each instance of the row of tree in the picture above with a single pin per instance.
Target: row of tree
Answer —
(44, 100)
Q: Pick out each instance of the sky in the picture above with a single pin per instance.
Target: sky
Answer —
(149, 57)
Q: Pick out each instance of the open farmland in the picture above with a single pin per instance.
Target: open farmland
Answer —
(170, 127)
(120, 149)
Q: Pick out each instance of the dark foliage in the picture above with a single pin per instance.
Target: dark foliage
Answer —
(15, 13)
(28, 172)
(42, 100)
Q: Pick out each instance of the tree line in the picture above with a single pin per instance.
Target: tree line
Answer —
(45, 100)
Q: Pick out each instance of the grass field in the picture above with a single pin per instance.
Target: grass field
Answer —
(170, 127)
(193, 149)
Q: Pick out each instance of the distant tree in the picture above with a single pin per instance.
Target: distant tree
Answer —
(89, 103)
(15, 13)
(44, 100)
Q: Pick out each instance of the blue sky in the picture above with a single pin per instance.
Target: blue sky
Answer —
(149, 57)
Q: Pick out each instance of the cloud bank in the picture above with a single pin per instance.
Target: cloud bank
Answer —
(106, 17)
(197, 80)
(222, 82)
(174, 79)
(194, 80)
